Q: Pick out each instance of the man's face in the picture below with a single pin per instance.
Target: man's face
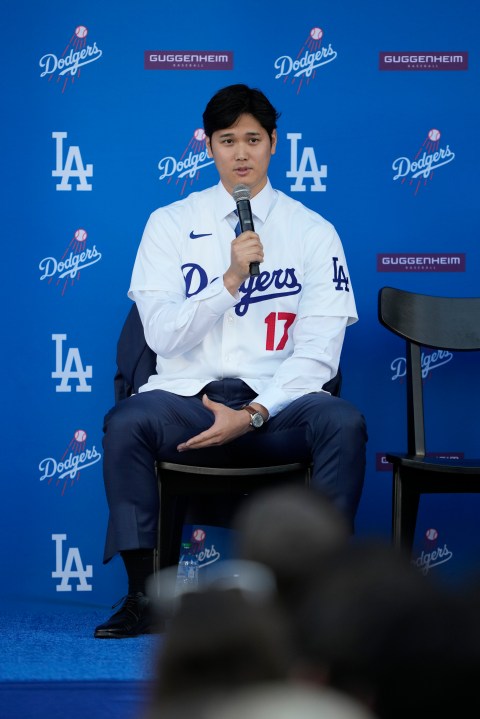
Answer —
(242, 153)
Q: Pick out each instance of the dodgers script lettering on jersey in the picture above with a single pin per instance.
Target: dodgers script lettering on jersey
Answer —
(265, 286)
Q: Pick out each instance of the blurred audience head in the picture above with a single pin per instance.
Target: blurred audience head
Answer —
(376, 629)
(291, 529)
(219, 639)
(288, 701)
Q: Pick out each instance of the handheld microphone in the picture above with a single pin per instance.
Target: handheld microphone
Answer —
(241, 195)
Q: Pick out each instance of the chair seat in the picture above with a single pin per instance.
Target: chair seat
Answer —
(181, 479)
(436, 464)
(232, 471)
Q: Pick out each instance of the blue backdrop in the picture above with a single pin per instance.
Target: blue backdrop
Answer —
(102, 123)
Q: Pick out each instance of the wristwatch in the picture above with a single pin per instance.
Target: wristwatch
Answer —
(256, 419)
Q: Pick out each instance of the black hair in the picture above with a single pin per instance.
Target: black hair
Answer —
(226, 106)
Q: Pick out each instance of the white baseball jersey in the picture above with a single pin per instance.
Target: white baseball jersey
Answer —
(282, 333)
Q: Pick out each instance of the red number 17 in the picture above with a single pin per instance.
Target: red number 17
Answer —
(271, 321)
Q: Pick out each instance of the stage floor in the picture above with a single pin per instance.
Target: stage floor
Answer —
(51, 666)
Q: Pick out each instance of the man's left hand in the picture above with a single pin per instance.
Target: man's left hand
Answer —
(228, 425)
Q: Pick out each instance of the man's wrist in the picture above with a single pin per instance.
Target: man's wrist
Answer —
(260, 408)
(258, 414)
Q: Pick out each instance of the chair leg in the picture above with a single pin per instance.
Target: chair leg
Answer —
(405, 511)
(170, 526)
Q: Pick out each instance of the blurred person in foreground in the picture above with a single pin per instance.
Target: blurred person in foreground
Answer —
(227, 653)
(292, 531)
(374, 628)
(218, 640)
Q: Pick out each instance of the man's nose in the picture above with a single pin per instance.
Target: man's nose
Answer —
(241, 151)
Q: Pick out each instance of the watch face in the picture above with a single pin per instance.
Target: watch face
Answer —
(257, 420)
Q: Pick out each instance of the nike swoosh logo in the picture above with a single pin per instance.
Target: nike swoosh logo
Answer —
(193, 236)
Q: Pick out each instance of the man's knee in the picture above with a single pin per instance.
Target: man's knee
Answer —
(342, 417)
(354, 423)
(125, 421)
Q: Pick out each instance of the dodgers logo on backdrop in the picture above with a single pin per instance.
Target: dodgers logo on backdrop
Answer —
(72, 167)
(304, 63)
(68, 65)
(429, 362)
(71, 568)
(416, 171)
(432, 555)
(70, 369)
(65, 472)
(76, 257)
(305, 168)
(187, 167)
(206, 555)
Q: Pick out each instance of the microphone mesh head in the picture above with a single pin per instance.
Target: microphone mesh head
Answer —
(241, 192)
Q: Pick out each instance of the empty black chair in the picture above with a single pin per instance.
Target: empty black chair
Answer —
(443, 323)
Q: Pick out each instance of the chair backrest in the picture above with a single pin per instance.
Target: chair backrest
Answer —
(447, 323)
(136, 361)
(451, 323)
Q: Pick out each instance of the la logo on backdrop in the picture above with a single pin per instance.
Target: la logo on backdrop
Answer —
(70, 568)
(67, 66)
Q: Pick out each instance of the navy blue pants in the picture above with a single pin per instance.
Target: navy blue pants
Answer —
(326, 430)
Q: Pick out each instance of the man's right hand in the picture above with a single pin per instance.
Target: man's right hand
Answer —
(245, 248)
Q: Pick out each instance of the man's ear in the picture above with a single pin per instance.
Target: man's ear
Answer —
(209, 147)
(273, 142)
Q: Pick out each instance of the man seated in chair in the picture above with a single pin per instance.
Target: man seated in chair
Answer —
(241, 359)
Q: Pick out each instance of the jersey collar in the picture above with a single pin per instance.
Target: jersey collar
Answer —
(261, 203)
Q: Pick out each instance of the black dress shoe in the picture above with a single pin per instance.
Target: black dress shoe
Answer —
(133, 618)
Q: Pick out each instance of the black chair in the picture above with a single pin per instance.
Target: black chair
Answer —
(183, 486)
(443, 323)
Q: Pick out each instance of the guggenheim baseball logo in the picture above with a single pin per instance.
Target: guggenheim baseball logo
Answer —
(421, 262)
(68, 65)
(188, 60)
(423, 61)
(303, 64)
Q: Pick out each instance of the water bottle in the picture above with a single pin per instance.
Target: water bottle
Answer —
(187, 574)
